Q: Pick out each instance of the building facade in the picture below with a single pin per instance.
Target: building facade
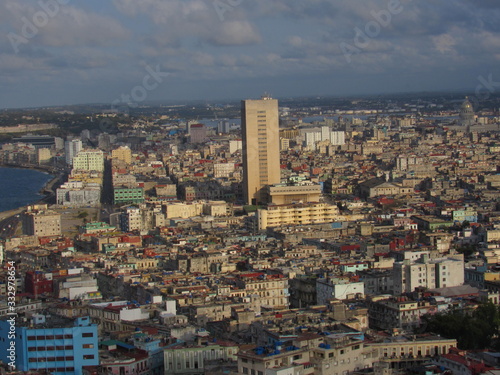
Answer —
(89, 160)
(39, 221)
(59, 351)
(261, 157)
(71, 149)
(296, 214)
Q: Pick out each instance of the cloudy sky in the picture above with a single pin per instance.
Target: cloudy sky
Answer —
(56, 52)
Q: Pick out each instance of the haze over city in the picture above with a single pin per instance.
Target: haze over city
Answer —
(68, 52)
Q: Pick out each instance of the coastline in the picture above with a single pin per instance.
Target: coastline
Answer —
(47, 190)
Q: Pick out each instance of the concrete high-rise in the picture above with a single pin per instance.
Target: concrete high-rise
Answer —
(72, 148)
(261, 155)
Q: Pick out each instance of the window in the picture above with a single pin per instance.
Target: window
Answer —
(88, 346)
(91, 356)
(31, 338)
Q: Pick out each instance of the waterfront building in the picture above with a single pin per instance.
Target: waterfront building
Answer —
(39, 221)
(89, 160)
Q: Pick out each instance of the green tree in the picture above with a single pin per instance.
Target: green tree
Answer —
(472, 330)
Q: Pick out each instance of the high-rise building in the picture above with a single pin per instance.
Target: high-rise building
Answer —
(71, 148)
(89, 160)
(261, 156)
(223, 126)
(198, 133)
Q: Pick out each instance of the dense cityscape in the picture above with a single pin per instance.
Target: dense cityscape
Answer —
(265, 187)
(293, 237)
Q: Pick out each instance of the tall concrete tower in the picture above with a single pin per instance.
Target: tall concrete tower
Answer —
(71, 149)
(261, 155)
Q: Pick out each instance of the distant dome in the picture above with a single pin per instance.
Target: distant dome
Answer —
(467, 116)
(467, 105)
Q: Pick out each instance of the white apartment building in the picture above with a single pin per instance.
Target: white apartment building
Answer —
(428, 273)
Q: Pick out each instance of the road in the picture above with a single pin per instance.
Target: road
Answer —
(8, 226)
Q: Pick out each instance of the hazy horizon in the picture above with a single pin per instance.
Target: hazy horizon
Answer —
(59, 52)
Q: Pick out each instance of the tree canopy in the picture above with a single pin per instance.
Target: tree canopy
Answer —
(478, 329)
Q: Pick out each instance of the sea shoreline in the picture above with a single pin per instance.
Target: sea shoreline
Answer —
(46, 192)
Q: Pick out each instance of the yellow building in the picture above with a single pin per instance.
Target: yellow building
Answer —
(122, 153)
(296, 214)
(286, 194)
(261, 156)
(88, 177)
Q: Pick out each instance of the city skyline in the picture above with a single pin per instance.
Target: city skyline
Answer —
(58, 52)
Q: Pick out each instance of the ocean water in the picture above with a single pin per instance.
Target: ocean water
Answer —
(19, 187)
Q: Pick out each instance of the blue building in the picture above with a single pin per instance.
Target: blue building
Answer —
(57, 345)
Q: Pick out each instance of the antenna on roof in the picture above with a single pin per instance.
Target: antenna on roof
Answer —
(266, 96)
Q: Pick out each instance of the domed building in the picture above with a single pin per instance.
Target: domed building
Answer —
(467, 116)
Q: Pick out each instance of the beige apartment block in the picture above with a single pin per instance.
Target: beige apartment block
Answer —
(261, 156)
(39, 221)
(122, 153)
(286, 194)
(272, 290)
(43, 155)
